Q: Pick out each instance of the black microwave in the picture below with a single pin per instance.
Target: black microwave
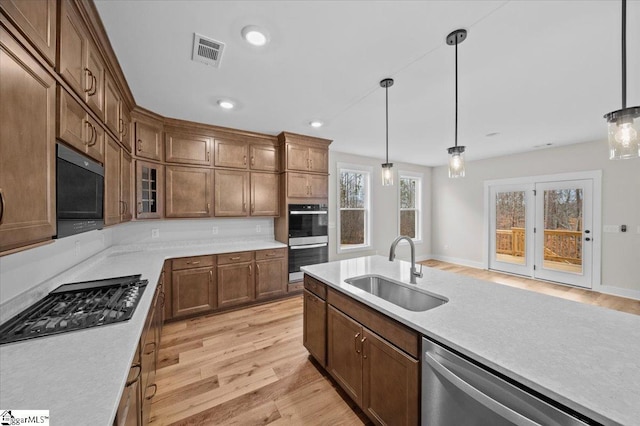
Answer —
(79, 193)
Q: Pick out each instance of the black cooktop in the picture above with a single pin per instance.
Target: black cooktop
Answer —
(76, 306)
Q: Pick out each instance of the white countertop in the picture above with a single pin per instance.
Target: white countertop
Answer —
(583, 356)
(79, 376)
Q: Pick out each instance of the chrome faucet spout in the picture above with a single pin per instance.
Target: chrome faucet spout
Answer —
(392, 255)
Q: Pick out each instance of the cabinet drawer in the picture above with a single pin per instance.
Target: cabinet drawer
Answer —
(244, 256)
(192, 262)
(400, 335)
(270, 254)
(315, 287)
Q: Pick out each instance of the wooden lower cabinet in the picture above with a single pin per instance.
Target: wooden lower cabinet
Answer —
(149, 347)
(193, 291)
(271, 273)
(130, 408)
(314, 327)
(344, 348)
(235, 283)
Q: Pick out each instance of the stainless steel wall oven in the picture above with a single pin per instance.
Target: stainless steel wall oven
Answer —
(308, 237)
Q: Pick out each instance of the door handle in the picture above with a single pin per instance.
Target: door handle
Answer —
(364, 339)
(135, 379)
(93, 80)
(355, 342)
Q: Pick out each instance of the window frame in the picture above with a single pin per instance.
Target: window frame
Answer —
(367, 171)
(419, 178)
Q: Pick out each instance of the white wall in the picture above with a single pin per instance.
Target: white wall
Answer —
(384, 208)
(458, 216)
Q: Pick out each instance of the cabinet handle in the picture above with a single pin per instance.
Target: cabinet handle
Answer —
(90, 74)
(244, 207)
(210, 276)
(121, 126)
(139, 145)
(90, 127)
(155, 389)
(270, 254)
(193, 263)
(162, 295)
(132, 381)
(253, 208)
(152, 350)
(122, 207)
(234, 258)
(126, 206)
(364, 339)
(253, 161)
(311, 163)
(257, 270)
(249, 270)
(208, 207)
(1, 205)
(95, 85)
(94, 136)
(208, 156)
(244, 160)
(355, 342)
(308, 164)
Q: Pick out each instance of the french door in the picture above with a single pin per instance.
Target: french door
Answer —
(543, 230)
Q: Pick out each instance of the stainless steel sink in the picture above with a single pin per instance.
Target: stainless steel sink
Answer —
(397, 293)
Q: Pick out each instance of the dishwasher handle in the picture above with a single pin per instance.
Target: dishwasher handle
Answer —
(485, 400)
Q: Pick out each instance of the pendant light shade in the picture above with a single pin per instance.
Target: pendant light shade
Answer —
(387, 167)
(456, 153)
(624, 124)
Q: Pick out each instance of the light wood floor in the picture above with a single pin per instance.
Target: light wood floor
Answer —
(249, 367)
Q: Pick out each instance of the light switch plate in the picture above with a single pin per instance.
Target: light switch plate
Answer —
(214, 230)
(611, 228)
(155, 233)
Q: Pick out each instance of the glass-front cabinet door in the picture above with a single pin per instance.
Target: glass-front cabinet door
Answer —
(149, 191)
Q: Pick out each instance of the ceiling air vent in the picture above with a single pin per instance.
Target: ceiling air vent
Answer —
(207, 50)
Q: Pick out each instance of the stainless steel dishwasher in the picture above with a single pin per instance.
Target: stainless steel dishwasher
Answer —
(457, 392)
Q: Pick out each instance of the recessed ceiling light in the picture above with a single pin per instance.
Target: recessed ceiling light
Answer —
(316, 124)
(255, 36)
(225, 104)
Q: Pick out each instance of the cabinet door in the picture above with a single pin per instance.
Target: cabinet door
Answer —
(148, 361)
(95, 146)
(344, 349)
(230, 154)
(264, 157)
(37, 20)
(112, 102)
(72, 64)
(390, 382)
(149, 186)
(193, 291)
(297, 185)
(235, 284)
(27, 133)
(271, 278)
(73, 124)
(148, 141)
(318, 186)
(187, 149)
(315, 327)
(95, 70)
(318, 160)
(232, 189)
(126, 167)
(297, 157)
(265, 194)
(189, 192)
(124, 130)
(112, 167)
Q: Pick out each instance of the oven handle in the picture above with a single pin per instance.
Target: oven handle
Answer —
(307, 212)
(308, 246)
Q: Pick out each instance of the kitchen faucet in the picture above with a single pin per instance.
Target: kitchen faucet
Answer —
(392, 255)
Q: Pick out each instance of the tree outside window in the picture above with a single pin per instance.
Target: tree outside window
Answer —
(410, 187)
(353, 208)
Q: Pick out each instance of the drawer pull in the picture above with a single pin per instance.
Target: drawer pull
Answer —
(355, 342)
(234, 258)
(135, 379)
(271, 254)
(155, 389)
(152, 350)
(195, 262)
(364, 339)
(210, 276)
(249, 270)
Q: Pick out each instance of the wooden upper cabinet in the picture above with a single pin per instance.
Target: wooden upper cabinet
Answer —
(318, 160)
(265, 194)
(318, 186)
(27, 147)
(189, 192)
(148, 140)
(229, 153)
(307, 158)
(80, 63)
(112, 106)
(125, 130)
(38, 21)
(186, 148)
(231, 193)
(264, 157)
(126, 185)
(77, 128)
(307, 185)
(112, 176)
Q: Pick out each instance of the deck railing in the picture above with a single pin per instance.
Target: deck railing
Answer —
(560, 245)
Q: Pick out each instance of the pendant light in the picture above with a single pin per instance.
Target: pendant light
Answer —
(624, 125)
(456, 159)
(387, 172)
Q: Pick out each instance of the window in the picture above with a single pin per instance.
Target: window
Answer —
(410, 202)
(353, 209)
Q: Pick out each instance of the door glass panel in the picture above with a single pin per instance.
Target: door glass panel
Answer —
(563, 229)
(510, 227)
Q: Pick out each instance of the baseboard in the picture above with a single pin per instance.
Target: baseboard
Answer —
(618, 291)
(459, 261)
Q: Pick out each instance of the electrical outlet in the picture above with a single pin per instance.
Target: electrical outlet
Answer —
(155, 233)
(214, 230)
(258, 229)
(611, 229)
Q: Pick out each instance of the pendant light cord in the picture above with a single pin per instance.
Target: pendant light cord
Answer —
(624, 54)
(386, 92)
(456, 127)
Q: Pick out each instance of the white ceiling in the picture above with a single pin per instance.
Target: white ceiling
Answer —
(537, 72)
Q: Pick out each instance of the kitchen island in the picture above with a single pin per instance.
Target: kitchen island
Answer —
(586, 358)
